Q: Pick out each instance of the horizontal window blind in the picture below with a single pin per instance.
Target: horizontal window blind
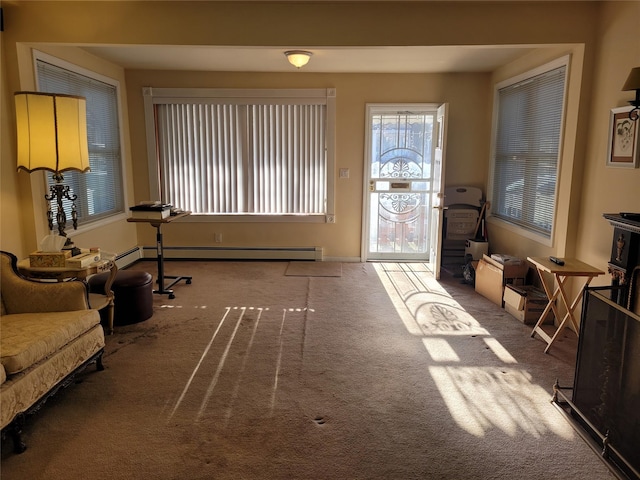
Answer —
(527, 147)
(100, 191)
(242, 157)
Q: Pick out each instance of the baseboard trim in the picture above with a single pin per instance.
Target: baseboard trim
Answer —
(237, 253)
(129, 257)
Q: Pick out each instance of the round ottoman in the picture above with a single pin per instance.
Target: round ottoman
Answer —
(133, 292)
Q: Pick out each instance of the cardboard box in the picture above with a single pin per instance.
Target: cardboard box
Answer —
(492, 276)
(489, 281)
(526, 303)
(515, 297)
(511, 270)
(49, 259)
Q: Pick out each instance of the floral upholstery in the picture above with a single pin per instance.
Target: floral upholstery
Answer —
(20, 295)
(23, 389)
(27, 339)
(46, 332)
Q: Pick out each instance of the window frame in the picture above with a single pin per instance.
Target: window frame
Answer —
(513, 227)
(154, 95)
(39, 181)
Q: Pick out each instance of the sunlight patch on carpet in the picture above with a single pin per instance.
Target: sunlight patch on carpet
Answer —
(314, 269)
(423, 304)
(224, 371)
(481, 399)
(195, 370)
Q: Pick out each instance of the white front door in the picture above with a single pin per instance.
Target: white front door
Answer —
(403, 170)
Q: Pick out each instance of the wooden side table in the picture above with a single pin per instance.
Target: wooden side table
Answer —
(55, 273)
(571, 268)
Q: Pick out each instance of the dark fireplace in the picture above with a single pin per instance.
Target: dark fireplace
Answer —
(606, 389)
(605, 398)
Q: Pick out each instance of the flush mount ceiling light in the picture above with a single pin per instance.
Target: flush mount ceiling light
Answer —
(633, 83)
(298, 58)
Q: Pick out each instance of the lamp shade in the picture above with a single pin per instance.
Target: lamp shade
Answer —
(633, 80)
(298, 58)
(52, 132)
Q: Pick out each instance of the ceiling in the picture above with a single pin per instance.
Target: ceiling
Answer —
(325, 59)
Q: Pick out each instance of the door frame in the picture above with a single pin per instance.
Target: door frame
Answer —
(437, 202)
(391, 108)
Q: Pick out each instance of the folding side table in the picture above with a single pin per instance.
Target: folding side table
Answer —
(157, 223)
(571, 268)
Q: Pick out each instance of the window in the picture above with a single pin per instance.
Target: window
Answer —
(229, 152)
(527, 147)
(100, 191)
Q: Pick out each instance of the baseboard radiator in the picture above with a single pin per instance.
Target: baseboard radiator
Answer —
(124, 259)
(237, 253)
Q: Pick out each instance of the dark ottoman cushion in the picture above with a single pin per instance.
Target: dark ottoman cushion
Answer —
(133, 292)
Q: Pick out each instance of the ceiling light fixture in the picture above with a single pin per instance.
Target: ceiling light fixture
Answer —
(298, 58)
(633, 83)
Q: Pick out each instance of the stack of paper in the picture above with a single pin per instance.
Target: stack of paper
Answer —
(506, 259)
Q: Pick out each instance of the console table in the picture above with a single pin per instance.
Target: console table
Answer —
(571, 268)
(157, 223)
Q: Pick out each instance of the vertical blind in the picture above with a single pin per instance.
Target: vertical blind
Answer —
(527, 147)
(242, 158)
(100, 191)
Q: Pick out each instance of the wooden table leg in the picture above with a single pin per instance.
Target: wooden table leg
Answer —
(570, 309)
(570, 306)
(551, 306)
(110, 311)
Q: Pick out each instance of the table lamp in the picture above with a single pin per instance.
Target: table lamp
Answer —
(52, 136)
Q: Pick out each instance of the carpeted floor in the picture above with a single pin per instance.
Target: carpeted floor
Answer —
(249, 373)
(314, 269)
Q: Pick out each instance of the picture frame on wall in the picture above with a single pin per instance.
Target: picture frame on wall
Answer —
(623, 139)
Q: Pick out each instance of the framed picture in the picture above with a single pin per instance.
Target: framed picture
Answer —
(623, 139)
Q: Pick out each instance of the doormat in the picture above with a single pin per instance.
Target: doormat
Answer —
(314, 269)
